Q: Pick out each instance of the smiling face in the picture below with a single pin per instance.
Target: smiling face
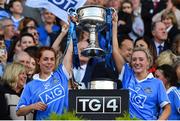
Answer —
(168, 22)
(26, 41)
(32, 66)
(22, 77)
(139, 62)
(47, 62)
(126, 49)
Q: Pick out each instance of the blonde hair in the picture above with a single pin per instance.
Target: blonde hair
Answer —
(147, 53)
(166, 57)
(11, 73)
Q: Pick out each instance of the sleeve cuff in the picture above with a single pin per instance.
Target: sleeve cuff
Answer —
(164, 103)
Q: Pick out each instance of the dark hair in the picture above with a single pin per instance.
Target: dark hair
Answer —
(122, 39)
(26, 34)
(127, 1)
(169, 73)
(149, 44)
(23, 23)
(32, 51)
(12, 2)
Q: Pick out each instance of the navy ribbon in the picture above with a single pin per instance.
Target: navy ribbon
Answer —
(108, 56)
(72, 35)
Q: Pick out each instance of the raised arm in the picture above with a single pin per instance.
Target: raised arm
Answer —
(67, 61)
(119, 61)
(60, 37)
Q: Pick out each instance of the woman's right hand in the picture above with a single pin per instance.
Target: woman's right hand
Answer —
(39, 106)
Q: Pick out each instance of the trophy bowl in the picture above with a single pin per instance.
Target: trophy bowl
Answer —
(92, 15)
(92, 19)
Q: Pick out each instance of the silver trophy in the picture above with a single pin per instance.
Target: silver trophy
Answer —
(92, 19)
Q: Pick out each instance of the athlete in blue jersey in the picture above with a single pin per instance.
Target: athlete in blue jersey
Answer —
(147, 94)
(48, 91)
(167, 74)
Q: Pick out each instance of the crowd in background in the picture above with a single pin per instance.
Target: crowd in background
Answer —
(34, 57)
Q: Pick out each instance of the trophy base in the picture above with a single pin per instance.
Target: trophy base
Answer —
(93, 52)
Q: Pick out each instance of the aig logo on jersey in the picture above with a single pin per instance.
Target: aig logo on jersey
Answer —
(94, 105)
(52, 94)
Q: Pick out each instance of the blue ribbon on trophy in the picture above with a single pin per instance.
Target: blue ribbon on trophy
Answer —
(72, 35)
(108, 56)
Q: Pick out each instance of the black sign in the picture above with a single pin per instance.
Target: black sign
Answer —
(99, 104)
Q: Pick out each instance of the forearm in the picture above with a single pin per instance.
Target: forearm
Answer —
(166, 112)
(67, 61)
(25, 110)
(58, 40)
(119, 61)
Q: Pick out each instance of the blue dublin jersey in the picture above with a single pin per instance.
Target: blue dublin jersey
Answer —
(174, 97)
(53, 91)
(146, 96)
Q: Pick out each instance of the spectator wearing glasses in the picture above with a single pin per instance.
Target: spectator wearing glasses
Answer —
(10, 34)
(27, 22)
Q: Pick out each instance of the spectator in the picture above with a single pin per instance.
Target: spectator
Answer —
(32, 52)
(23, 58)
(125, 19)
(159, 40)
(12, 83)
(148, 10)
(126, 47)
(166, 57)
(167, 74)
(45, 82)
(10, 35)
(49, 28)
(169, 19)
(171, 5)
(26, 40)
(32, 30)
(27, 22)
(9, 32)
(138, 24)
(141, 83)
(16, 9)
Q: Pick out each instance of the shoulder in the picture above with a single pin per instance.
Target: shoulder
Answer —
(156, 81)
(173, 90)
